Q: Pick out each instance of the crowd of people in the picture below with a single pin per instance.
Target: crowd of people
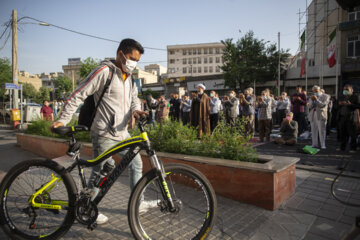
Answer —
(300, 114)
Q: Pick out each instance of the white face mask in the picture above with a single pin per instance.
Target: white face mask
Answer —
(130, 64)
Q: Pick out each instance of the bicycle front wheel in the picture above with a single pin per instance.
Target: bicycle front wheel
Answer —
(194, 199)
(37, 200)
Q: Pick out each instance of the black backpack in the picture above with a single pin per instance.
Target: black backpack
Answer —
(88, 109)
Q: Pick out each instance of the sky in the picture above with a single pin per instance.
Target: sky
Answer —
(155, 24)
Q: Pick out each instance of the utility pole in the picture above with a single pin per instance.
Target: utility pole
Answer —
(14, 58)
(279, 67)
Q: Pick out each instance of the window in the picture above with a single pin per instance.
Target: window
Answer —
(217, 50)
(211, 69)
(205, 50)
(190, 62)
(205, 60)
(171, 52)
(205, 69)
(199, 60)
(354, 15)
(210, 51)
(171, 70)
(172, 60)
(189, 51)
(194, 60)
(190, 69)
(210, 59)
(194, 70)
(184, 61)
(184, 70)
(194, 51)
(184, 52)
(217, 68)
(199, 69)
(199, 51)
(353, 46)
(217, 60)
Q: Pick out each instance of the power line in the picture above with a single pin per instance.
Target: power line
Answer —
(80, 33)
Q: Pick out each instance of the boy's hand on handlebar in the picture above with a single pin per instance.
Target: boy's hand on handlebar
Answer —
(56, 125)
(139, 114)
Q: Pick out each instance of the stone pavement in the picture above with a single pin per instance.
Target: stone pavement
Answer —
(310, 214)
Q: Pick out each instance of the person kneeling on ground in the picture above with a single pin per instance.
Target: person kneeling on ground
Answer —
(288, 131)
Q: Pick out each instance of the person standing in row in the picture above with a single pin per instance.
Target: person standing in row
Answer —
(318, 105)
(200, 111)
(283, 105)
(162, 111)
(299, 102)
(248, 110)
(265, 111)
(214, 110)
(231, 106)
(348, 104)
(186, 107)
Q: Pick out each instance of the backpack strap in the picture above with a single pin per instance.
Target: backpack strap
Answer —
(107, 84)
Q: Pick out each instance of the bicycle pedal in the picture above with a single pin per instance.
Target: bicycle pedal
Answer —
(92, 226)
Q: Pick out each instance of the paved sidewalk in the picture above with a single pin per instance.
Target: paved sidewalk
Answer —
(310, 214)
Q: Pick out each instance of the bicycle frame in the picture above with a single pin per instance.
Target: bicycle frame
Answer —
(134, 146)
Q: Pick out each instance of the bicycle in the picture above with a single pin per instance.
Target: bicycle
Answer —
(39, 198)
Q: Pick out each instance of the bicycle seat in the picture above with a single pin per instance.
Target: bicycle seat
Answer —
(68, 130)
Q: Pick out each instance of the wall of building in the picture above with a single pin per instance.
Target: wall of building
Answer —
(25, 77)
(187, 60)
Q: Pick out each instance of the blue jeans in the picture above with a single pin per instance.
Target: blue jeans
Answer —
(100, 144)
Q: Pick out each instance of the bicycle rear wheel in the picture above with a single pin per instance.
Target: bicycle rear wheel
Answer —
(193, 197)
(20, 218)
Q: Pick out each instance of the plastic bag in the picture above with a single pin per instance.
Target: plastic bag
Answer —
(310, 150)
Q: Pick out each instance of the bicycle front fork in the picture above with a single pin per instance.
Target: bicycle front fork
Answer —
(157, 164)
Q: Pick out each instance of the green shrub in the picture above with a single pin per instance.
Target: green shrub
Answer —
(225, 142)
(42, 128)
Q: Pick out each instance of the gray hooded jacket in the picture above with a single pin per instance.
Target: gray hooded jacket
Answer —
(116, 107)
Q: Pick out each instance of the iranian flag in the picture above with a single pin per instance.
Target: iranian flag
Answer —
(332, 49)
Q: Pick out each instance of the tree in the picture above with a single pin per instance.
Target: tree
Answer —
(5, 74)
(43, 94)
(63, 86)
(87, 66)
(29, 91)
(154, 94)
(249, 60)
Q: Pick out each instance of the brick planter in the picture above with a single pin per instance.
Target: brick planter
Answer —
(265, 184)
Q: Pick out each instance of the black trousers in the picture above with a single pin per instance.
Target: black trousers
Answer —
(214, 119)
(185, 117)
(300, 118)
(347, 130)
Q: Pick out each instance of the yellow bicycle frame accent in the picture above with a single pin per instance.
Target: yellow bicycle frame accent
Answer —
(48, 187)
(143, 136)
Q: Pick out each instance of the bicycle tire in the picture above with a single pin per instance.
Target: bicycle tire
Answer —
(185, 179)
(16, 214)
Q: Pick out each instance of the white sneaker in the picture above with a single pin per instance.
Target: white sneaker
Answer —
(147, 205)
(101, 219)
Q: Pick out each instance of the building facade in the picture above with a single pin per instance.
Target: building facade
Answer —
(25, 77)
(325, 18)
(190, 64)
(156, 69)
(72, 70)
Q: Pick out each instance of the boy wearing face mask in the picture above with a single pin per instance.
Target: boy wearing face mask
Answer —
(119, 103)
(318, 105)
(348, 103)
(214, 110)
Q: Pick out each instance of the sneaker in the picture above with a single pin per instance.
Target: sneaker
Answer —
(101, 219)
(147, 205)
(352, 151)
(323, 148)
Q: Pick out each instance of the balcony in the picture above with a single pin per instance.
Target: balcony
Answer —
(351, 64)
(350, 25)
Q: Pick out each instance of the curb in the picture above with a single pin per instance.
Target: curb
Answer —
(328, 171)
